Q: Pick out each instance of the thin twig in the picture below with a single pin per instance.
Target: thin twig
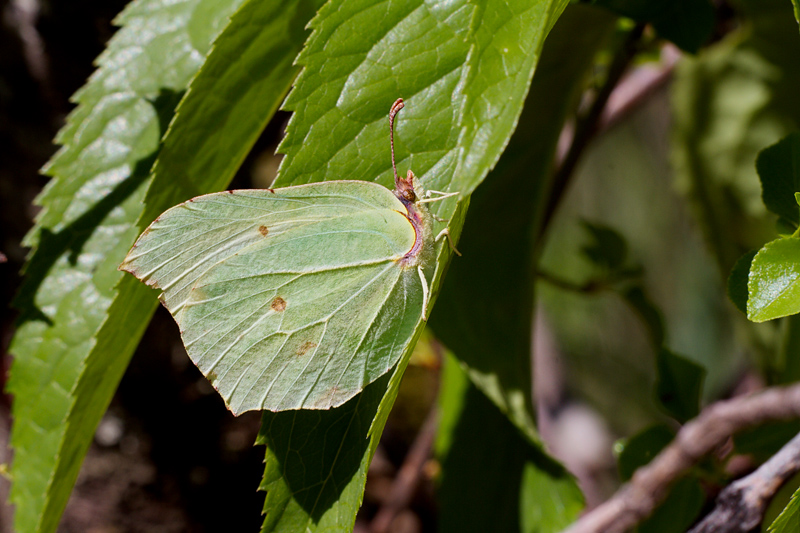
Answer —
(741, 505)
(587, 125)
(637, 499)
(567, 285)
(405, 484)
(638, 86)
(590, 286)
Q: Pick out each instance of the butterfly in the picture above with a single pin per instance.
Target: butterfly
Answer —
(295, 297)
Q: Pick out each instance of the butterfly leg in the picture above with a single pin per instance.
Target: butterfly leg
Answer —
(442, 196)
(446, 233)
(424, 292)
(429, 192)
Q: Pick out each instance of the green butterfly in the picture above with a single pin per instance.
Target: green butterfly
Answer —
(299, 297)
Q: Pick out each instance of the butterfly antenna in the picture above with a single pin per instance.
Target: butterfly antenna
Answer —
(396, 107)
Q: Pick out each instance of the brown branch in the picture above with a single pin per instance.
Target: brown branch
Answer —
(637, 499)
(638, 86)
(741, 505)
(405, 484)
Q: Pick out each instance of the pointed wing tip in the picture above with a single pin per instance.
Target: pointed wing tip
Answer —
(130, 269)
(126, 266)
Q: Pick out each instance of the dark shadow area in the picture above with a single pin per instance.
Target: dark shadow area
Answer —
(204, 459)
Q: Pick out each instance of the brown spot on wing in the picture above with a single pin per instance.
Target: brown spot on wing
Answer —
(278, 304)
(306, 347)
(263, 230)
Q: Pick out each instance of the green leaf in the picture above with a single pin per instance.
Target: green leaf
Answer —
(737, 281)
(679, 385)
(227, 106)
(79, 326)
(687, 23)
(774, 282)
(84, 228)
(338, 128)
(607, 248)
(488, 326)
(789, 519)
(511, 34)
(292, 298)
(640, 449)
(779, 501)
(779, 171)
(431, 55)
(520, 488)
(796, 10)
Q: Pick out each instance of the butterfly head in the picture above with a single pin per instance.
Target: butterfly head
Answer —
(405, 188)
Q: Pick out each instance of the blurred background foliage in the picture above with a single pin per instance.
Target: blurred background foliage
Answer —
(677, 179)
